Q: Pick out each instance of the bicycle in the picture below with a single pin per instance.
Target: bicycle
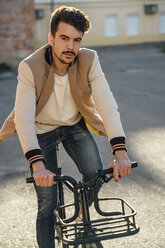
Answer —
(88, 233)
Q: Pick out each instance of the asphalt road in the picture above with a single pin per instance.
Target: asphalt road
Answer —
(136, 75)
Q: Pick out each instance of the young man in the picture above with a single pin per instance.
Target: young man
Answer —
(60, 86)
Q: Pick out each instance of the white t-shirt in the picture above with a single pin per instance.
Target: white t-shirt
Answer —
(60, 109)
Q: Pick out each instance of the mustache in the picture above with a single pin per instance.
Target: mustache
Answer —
(65, 52)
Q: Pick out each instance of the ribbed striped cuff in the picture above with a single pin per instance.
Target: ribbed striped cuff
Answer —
(33, 156)
(117, 144)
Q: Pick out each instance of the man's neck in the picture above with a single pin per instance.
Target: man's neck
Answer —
(59, 67)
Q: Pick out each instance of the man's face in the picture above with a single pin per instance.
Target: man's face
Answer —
(66, 43)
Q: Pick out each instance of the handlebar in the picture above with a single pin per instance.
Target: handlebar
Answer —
(100, 173)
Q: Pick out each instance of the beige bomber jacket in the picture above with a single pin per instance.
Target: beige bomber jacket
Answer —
(90, 92)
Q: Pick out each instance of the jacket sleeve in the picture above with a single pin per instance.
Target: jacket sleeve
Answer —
(25, 108)
(106, 106)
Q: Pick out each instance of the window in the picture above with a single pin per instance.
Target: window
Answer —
(162, 23)
(111, 26)
(132, 25)
(39, 13)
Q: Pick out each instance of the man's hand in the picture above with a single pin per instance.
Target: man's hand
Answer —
(121, 165)
(42, 177)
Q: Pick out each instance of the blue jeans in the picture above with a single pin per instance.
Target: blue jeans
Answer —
(81, 147)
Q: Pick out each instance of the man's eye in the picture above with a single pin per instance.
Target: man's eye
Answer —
(77, 40)
(64, 38)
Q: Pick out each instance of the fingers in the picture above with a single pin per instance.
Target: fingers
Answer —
(115, 173)
(124, 169)
(120, 169)
(129, 169)
(44, 179)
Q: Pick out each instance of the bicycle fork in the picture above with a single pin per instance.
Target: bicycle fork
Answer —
(84, 204)
(86, 218)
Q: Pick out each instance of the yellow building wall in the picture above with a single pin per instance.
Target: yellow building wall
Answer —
(97, 12)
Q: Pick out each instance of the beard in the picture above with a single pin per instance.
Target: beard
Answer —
(62, 60)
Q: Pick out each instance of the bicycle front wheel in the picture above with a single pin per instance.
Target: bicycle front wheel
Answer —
(93, 245)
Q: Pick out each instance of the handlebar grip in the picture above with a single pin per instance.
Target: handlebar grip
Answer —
(56, 178)
(110, 170)
(30, 180)
(134, 164)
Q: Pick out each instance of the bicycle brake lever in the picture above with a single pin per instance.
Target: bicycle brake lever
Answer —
(103, 178)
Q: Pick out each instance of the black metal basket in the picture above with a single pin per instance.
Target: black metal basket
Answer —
(114, 225)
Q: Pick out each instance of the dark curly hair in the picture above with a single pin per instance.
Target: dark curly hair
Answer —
(72, 16)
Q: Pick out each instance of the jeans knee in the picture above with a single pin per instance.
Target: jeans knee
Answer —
(90, 174)
(90, 171)
(47, 200)
(46, 207)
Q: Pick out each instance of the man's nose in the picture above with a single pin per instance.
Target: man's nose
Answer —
(70, 45)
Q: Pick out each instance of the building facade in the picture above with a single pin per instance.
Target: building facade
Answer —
(113, 21)
(17, 23)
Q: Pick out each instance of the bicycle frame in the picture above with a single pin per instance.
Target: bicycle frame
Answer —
(115, 225)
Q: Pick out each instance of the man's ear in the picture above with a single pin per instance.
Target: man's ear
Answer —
(50, 39)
